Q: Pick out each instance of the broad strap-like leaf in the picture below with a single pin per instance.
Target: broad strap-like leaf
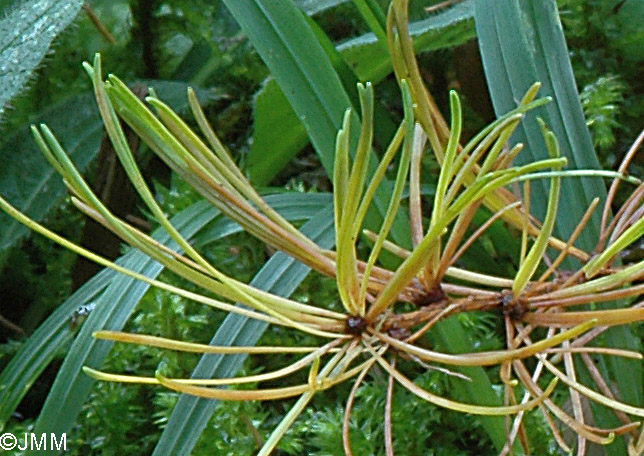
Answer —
(56, 332)
(26, 33)
(43, 345)
(523, 42)
(278, 134)
(113, 308)
(290, 205)
(273, 148)
(298, 62)
(280, 275)
(174, 93)
(480, 390)
(311, 7)
(26, 178)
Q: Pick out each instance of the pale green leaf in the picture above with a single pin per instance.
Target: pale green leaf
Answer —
(26, 32)
(280, 275)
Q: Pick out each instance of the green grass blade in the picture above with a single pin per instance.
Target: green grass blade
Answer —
(479, 391)
(40, 190)
(522, 42)
(298, 62)
(46, 342)
(292, 206)
(43, 345)
(37, 193)
(113, 308)
(300, 66)
(279, 134)
(280, 275)
(375, 18)
(384, 125)
(311, 7)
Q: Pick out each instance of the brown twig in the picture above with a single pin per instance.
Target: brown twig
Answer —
(573, 237)
(441, 5)
(98, 24)
(613, 187)
(389, 439)
(575, 398)
(415, 210)
(456, 236)
(481, 230)
(633, 200)
(259, 441)
(346, 438)
(12, 326)
(603, 386)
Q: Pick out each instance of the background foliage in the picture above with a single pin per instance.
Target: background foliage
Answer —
(171, 44)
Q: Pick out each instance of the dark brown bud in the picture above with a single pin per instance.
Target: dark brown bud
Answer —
(355, 325)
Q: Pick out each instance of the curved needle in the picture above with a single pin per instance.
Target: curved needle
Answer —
(459, 406)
